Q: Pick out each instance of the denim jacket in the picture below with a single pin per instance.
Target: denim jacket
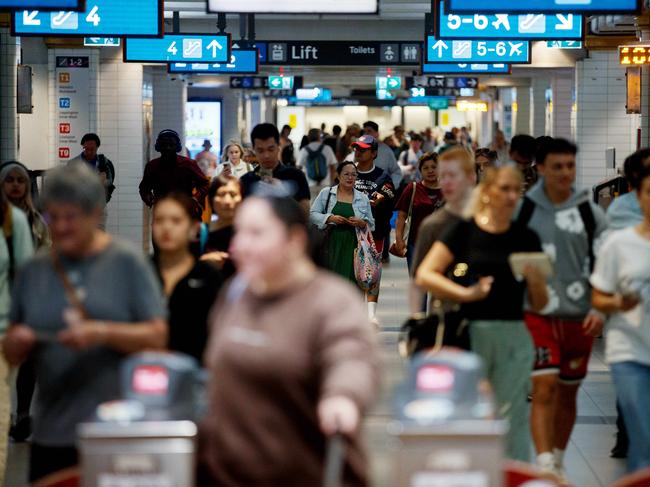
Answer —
(360, 204)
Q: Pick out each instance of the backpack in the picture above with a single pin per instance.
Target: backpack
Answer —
(316, 164)
(586, 214)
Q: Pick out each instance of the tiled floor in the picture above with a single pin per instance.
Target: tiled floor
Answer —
(587, 458)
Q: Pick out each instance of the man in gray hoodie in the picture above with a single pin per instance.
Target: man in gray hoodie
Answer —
(570, 227)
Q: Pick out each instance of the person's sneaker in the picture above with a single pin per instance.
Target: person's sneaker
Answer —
(21, 429)
(375, 322)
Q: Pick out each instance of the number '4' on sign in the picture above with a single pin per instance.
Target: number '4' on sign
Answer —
(93, 16)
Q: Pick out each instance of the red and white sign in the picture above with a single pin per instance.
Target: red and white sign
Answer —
(64, 128)
(150, 380)
(64, 152)
(73, 108)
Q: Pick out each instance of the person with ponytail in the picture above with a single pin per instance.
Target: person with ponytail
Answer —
(491, 298)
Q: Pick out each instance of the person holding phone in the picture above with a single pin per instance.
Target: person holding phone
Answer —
(491, 298)
(621, 289)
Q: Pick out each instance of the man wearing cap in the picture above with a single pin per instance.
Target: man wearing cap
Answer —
(378, 186)
(206, 159)
(386, 159)
(173, 173)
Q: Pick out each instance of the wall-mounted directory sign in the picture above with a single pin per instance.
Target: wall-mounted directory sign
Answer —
(195, 48)
(242, 61)
(544, 6)
(511, 52)
(42, 4)
(293, 6)
(445, 68)
(106, 18)
(340, 53)
(507, 26)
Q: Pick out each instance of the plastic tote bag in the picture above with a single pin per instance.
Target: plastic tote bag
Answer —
(367, 261)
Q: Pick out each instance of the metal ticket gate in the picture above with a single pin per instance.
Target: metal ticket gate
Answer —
(148, 439)
(444, 434)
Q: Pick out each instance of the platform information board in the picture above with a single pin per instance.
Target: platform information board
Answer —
(544, 6)
(564, 26)
(42, 4)
(242, 61)
(470, 51)
(106, 18)
(445, 68)
(196, 48)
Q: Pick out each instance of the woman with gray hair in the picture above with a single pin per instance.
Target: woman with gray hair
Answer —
(78, 311)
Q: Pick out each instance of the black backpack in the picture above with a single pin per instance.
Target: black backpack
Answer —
(106, 166)
(586, 214)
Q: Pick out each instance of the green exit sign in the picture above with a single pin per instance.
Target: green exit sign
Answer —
(388, 83)
(281, 82)
(564, 44)
(438, 103)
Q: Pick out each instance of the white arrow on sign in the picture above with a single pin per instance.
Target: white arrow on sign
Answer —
(566, 22)
(214, 45)
(441, 46)
(95, 39)
(472, 83)
(276, 82)
(29, 18)
(393, 82)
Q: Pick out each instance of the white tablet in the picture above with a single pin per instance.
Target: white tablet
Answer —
(519, 260)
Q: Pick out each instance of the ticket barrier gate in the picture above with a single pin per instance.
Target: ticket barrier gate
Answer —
(444, 434)
(149, 438)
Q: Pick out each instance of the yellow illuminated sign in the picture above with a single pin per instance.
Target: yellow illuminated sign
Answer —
(471, 106)
(634, 55)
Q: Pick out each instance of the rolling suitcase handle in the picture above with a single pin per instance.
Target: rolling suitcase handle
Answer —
(334, 458)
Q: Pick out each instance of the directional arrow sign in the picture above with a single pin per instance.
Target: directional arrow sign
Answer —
(196, 48)
(102, 41)
(443, 68)
(245, 61)
(468, 51)
(544, 6)
(105, 18)
(564, 44)
(388, 82)
(505, 26)
(281, 82)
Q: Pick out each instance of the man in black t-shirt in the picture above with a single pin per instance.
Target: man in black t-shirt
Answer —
(378, 186)
(291, 181)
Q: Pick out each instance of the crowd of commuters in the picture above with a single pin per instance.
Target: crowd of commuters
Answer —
(239, 244)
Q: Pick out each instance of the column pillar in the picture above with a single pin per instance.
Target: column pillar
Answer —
(522, 116)
(9, 50)
(562, 107)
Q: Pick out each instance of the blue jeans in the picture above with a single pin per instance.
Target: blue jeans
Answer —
(632, 382)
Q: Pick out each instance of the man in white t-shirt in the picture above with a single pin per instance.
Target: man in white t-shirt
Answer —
(318, 161)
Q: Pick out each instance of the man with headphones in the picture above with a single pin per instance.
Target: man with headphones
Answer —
(173, 173)
(99, 162)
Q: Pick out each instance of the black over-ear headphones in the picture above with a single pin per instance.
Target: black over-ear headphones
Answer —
(171, 134)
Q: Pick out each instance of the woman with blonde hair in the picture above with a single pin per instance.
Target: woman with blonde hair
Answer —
(232, 162)
(491, 297)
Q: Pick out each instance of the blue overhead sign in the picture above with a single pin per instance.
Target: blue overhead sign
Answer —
(544, 6)
(511, 52)
(443, 68)
(506, 26)
(195, 48)
(42, 4)
(242, 61)
(117, 18)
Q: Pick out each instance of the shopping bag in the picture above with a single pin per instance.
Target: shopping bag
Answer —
(367, 261)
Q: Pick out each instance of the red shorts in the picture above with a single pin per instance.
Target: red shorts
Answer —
(560, 347)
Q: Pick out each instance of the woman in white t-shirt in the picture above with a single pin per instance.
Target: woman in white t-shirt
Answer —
(232, 163)
(621, 288)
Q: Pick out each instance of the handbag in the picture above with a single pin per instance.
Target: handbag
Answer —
(431, 332)
(324, 235)
(367, 261)
(407, 227)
